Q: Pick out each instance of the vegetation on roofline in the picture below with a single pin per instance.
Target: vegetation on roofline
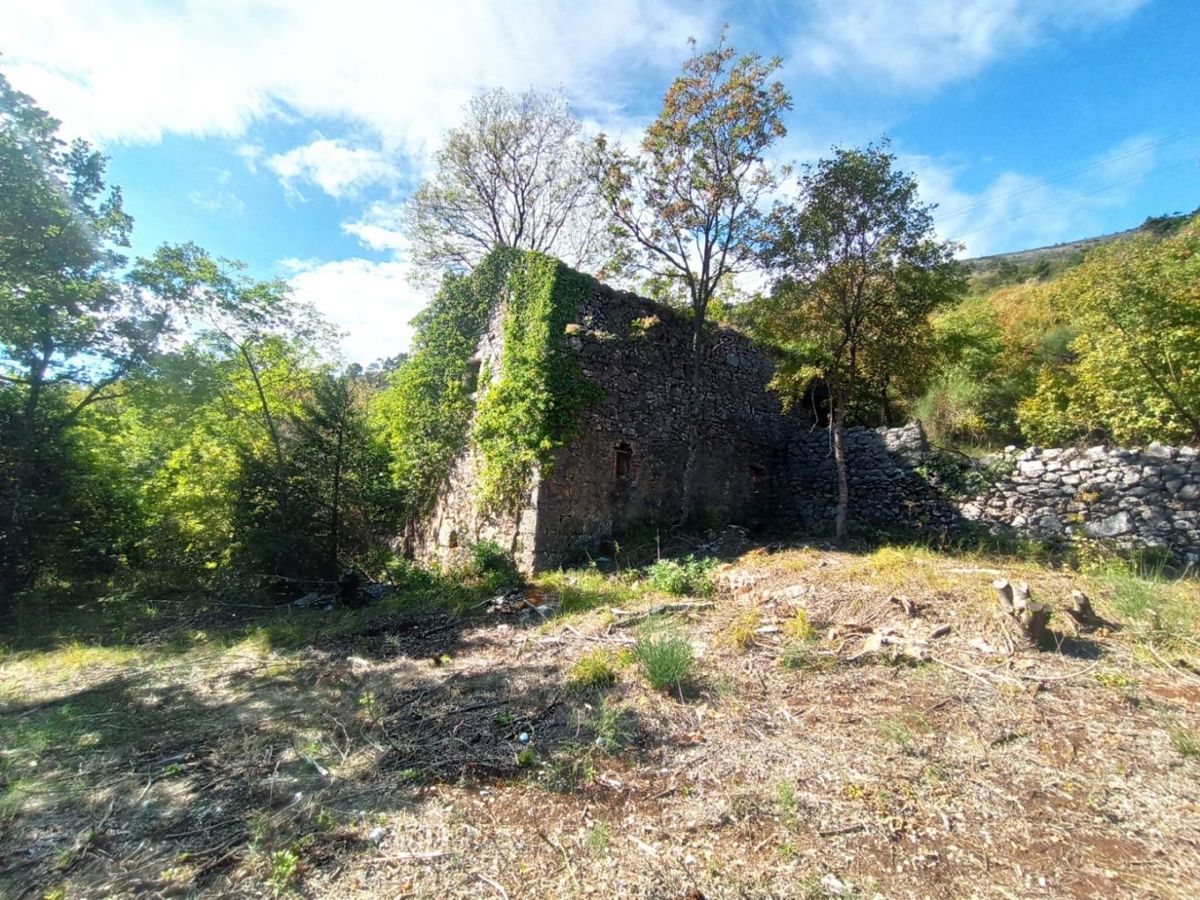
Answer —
(522, 413)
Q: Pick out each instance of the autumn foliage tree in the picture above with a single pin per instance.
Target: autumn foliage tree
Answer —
(688, 207)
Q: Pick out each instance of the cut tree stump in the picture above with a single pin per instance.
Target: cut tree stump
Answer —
(1081, 611)
(1030, 616)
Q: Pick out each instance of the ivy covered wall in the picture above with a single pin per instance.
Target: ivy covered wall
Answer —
(488, 396)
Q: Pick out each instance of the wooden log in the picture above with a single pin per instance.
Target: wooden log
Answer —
(1005, 592)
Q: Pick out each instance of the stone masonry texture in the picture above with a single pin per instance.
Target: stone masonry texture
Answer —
(761, 467)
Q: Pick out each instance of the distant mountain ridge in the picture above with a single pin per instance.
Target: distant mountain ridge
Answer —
(1043, 262)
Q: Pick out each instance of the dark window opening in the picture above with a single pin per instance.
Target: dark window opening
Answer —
(471, 376)
(623, 461)
(452, 541)
(758, 477)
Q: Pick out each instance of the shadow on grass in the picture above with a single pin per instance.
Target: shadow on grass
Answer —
(168, 777)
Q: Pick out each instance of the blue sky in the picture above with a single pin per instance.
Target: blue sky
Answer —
(287, 133)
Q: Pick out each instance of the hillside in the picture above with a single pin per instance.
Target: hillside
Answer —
(1047, 262)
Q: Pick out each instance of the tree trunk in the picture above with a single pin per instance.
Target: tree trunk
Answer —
(838, 424)
(335, 522)
(14, 558)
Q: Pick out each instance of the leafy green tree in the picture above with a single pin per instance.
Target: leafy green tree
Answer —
(236, 317)
(988, 350)
(70, 330)
(340, 500)
(1133, 371)
(858, 272)
(688, 207)
(512, 175)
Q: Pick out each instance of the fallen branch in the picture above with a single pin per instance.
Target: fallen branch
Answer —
(631, 617)
(399, 858)
(499, 890)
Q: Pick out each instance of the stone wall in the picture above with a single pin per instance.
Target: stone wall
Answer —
(457, 519)
(757, 466)
(626, 466)
(885, 488)
(1148, 497)
(1128, 498)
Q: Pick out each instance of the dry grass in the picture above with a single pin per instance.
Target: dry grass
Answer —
(431, 755)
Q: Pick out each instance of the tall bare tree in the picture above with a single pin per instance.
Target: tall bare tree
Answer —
(513, 175)
(687, 207)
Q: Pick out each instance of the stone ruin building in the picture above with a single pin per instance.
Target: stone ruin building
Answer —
(758, 466)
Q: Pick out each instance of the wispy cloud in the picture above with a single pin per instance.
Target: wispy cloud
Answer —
(926, 44)
(218, 198)
(1017, 210)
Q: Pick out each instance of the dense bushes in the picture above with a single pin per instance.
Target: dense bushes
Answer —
(1109, 350)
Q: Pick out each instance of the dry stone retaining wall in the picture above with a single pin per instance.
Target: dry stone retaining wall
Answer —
(1127, 498)
(1148, 497)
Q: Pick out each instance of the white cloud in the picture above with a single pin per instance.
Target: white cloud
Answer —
(1017, 211)
(127, 71)
(372, 301)
(925, 44)
(332, 165)
(380, 227)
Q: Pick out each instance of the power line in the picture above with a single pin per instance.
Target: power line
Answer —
(1071, 173)
(1074, 198)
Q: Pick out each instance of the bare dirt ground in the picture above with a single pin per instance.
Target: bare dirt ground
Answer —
(869, 747)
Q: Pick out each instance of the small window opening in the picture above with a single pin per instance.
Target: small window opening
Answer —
(623, 461)
(452, 541)
(758, 477)
(471, 376)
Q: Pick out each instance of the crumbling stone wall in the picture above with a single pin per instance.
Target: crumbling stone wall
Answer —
(457, 519)
(627, 464)
(757, 466)
(1128, 498)
(885, 488)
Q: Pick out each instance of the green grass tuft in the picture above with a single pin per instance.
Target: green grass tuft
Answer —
(667, 660)
(594, 670)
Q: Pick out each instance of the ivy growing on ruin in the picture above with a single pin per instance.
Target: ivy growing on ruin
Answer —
(524, 413)
(534, 406)
(425, 412)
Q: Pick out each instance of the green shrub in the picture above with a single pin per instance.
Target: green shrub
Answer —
(487, 561)
(592, 670)
(285, 869)
(687, 577)
(667, 660)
